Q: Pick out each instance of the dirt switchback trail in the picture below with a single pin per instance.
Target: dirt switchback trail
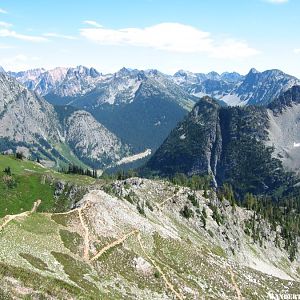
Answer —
(86, 233)
(9, 218)
(168, 284)
(86, 242)
(115, 243)
(160, 205)
(36, 204)
(238, 291)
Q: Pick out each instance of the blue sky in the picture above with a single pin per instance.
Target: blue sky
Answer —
(196, 35)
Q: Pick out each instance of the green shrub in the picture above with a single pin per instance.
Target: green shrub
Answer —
(193, 199)
(186, 212)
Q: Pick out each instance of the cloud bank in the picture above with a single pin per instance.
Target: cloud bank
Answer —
(173, 37)
(4, 32)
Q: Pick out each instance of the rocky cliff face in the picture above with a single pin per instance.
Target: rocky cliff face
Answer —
(25, 117)
(249, 147)
(91, 141)
(183, 152)
(283, 129)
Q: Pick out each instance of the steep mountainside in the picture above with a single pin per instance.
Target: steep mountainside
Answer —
(30, 124)
(133, 239)
(139, 107)
(25, 118)
(283, 129)
(91, 141)
(248, 147)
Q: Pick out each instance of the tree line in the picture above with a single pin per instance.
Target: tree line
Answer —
(74, 169)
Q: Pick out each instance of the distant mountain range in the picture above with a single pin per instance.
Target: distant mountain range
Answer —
(258, 88)
(133, 110)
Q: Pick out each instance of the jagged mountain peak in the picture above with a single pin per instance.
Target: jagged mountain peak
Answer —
(184, 73)
(125, 72)
(259, 88)
(153, 72)
(253, 71)
(80, 71)
(213, 75)
(28, 75)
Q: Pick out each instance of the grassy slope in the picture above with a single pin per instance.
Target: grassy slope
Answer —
(30, 184)
(44, 253)
(67, 153)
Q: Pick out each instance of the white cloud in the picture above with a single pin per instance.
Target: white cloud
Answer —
(3, 11)
(296, 51)
(18, 62)
(92, 23)
(61, 36)
(277, 1)
(5, 24)
(12, 34)
(173, 37)
(231, 48)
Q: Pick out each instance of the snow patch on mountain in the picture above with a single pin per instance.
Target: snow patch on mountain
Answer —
(134, 157)
(233, 100)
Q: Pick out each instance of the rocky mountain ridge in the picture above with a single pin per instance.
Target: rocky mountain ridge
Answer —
(258, 88)
(126, 102)
(30, 122)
